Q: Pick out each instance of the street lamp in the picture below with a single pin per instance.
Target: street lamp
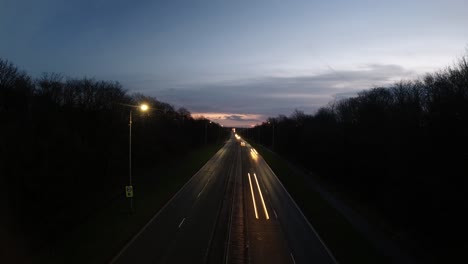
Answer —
(144, 107)
(129, 188)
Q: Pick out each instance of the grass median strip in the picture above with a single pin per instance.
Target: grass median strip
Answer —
(346, 243)
(102, 236)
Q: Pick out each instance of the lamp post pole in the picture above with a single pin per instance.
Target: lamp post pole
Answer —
(258, 134)
(273, 140)
(206, 133)
(130, 158)
(272, 135)
(129, 188)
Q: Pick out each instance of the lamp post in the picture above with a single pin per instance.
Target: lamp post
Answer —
(222, 131)
(272, 135)
(206, 132)
(258, 134)
(273, 145)
(129, 188)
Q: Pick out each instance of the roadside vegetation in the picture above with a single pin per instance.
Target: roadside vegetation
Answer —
(400, 151)
(104, 234)
(332, 227)
(64, 156)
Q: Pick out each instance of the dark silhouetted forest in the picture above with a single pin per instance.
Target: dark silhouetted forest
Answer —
(401, 150)
(64, 148)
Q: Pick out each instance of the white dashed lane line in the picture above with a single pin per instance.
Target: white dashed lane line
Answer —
(181, 222)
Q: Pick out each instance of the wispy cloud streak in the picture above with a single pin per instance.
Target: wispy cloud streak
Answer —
(251, 101)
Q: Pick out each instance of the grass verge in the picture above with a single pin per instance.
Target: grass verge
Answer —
(101, 237)
(346, 243)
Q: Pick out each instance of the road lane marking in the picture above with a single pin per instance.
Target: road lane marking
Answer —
(213, 160)
(261, 197)
(253, 197)
(204, 186)
(294, 261)
(201, 191)
(181, 222)
(275, 214)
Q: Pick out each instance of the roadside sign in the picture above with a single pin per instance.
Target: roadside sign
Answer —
(129, 191)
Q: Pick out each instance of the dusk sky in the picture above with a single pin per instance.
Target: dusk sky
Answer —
(236, 62)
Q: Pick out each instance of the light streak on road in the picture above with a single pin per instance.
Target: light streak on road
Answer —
(261, 197)
(253, 197)
(253, 154)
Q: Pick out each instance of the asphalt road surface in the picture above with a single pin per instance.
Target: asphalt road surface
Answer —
(234, 210)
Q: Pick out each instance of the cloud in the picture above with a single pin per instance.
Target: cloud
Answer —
(250, 101)
(235, 117)
(232, 119)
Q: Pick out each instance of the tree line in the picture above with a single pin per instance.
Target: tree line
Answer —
(401, 150)
(64, 143)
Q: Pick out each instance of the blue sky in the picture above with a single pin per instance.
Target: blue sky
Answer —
(236, 62)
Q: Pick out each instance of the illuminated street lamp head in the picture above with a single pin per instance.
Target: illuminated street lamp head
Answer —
(144, 107)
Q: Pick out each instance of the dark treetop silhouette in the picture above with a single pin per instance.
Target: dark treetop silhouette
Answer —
(401, 149)
(64, 149)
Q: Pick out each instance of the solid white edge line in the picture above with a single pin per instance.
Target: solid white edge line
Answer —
(181, 222)
(114, 259)
(305, 218)
(253, 197)
(261, 197)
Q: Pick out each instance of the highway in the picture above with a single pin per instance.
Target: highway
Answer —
(233, 210)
